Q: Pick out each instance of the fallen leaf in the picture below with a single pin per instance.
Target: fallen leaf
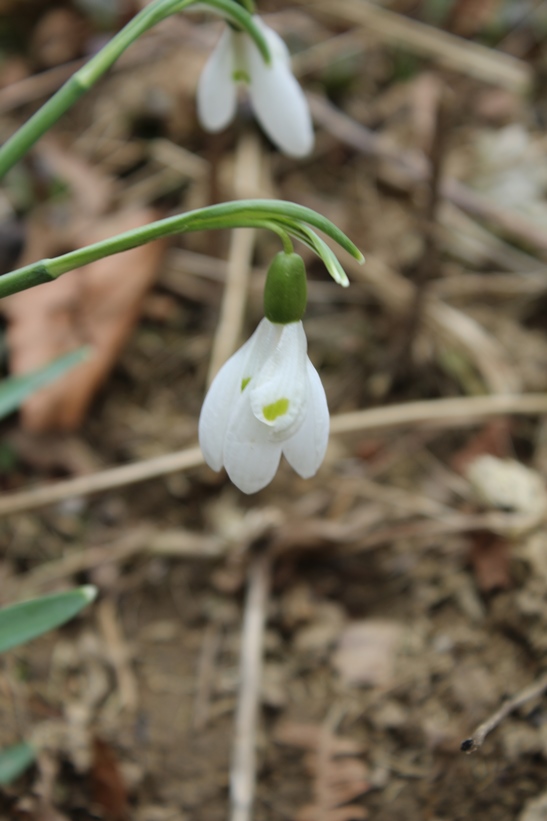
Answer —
(309, 736)
(108, 786)
(366, 652)
(339, 777)
(508, 485)
(493, 438)
(491, 562)
(97, 305)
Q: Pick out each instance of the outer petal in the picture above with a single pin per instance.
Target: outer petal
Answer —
(250, 459)
(306, 449)
(262, 344)
(217, 407)
(278, 101)
(227, 387)
(217, 91)
(279, 393)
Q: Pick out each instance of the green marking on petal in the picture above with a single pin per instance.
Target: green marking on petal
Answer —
(276, 409)
(244, 383)
(241, 76)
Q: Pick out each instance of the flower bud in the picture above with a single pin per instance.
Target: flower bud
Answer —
(285, 293)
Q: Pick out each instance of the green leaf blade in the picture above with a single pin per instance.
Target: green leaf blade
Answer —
(16, 389)
(14, 761)
(24, 621)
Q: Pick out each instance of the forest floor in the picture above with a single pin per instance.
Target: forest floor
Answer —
(401, 594)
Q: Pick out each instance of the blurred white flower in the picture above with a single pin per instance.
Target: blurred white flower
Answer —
(266, 400)
(278, 101)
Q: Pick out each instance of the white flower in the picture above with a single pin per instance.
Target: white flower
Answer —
(266, 400)
(278, 100)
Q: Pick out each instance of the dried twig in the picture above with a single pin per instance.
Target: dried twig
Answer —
(534, 690)
(118, 654)
(177, 544)
(449, 325)
(411, 168)
(206, 676)
(243, 773)
(103, 480)
(246, 184)
(449, 51)
(459, 412)
(427, 264)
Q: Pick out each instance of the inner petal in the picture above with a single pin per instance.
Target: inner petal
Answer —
(279, 391)
(276, 409)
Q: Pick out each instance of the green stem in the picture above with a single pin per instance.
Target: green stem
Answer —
(286, 217)
(282, 234)
(23, 139)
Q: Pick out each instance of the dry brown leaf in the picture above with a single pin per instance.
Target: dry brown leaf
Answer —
(338, 776)
(493, 438)
(109, 790)
(366, 652)
(96, 305)
(344, 778)
(309, 736)
(491, 562)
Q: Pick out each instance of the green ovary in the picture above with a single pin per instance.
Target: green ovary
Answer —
(276, 409)
(245, 382)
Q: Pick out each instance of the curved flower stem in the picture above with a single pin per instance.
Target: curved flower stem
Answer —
(287, 217)
(23, 139)
(282, 234)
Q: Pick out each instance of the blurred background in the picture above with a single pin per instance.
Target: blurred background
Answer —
(407, 580)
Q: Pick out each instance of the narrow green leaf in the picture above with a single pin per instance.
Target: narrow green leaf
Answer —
(14, 761)
(24, 621)
(16, 389)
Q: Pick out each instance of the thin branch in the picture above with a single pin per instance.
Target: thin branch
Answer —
(118, 653)
(455, 53)
(206, 676)
(528, 694)
(413, 168)
(246, 182)
(459, 412)
(102, 480)
(243, 773)
(427, 265)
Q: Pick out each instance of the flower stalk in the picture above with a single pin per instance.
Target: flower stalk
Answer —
(80, 82)
(282, 217)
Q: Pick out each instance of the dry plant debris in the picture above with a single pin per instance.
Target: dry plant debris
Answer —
(409, 577)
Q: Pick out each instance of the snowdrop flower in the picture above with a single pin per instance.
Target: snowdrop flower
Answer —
(267, 400)
(278, 101)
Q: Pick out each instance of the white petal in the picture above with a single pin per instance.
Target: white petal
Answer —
(250, 459)
(306, 449)
(262, 344)
(227, 387)
(276, 44)
(221, 398)
(278, 393)
(217, 91)
(279, 102)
